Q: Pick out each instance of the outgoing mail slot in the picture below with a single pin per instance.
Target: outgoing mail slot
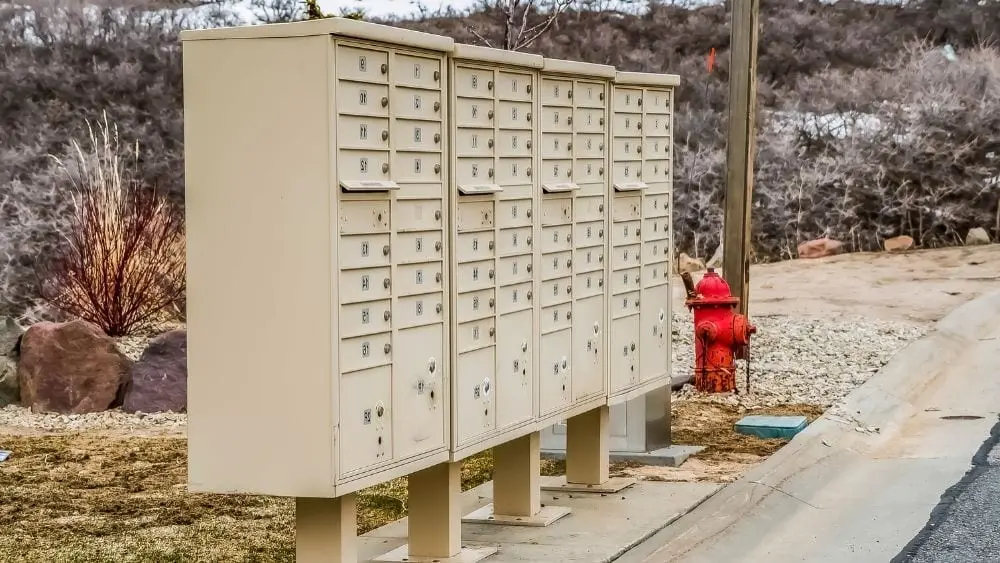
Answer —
(371, 317)
(475, 171)
(416, 136)
(655, 251)
(557, 211)
(627, 172)
(514, 213)
(557, 92)
(627, 209)
(588, 284)
(557, 265)
(418, 215)
(656, 228)
(656, 205)
(418, 310)
(626, 148)
(474, 276)
(587, 120)
(512, 298)
(557, 119)
(625, 304)
(514, 269)
(589, 171)
(364, 217)
(627, 125)
(364, 285)
(363, 166)
(588, 259)
(589, 94)
(364, 251)
(514, 115)
(355, 98)
(476, 334)
(470, 112)
(423, 246)
(476, 305)
(365, 351)
(514, 171)
(417, 167)
(474, 82)
(477, 245)
(625, 233)
(515, 143)
(588, 234)
(362, 64)
(475, 142)
(556, 317)
(656, 125)
(624, 281)
(590, 145)
(628, 100)
(554, 292)
(657, 101)
(514, 241)
(416, 279)
(475, 215)
(412, 103)
(624, 257)
(590, 208)
(656, 171)
(557, 145)
(514, 86)
(655, 274)
(419, 72)
(354, 132)
(558, 238)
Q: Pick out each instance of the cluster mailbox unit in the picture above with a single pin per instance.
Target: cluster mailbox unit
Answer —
(403, 252)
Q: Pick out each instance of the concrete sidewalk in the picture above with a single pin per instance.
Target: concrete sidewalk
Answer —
(859, 483)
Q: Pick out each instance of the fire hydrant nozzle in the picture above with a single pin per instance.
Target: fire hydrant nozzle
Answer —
(719, 331)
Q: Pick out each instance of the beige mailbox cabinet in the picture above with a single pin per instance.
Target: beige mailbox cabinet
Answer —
(494, 201)
(641, 233)
(316, 172)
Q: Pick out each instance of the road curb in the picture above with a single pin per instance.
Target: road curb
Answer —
(884, 402)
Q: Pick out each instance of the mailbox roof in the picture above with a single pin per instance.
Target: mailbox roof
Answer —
(579, 68)
(497, 56)
(647, 79)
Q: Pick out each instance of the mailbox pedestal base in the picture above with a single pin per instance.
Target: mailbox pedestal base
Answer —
(326, 530)
(587, 457)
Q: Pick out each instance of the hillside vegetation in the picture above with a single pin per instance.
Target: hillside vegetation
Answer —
(868, 128)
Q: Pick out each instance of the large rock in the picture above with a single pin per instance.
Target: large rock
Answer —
(898, 244)
(70, 368)
(9, 390)
(977, 235)
(688, 265)
(10, 333)
(820, 248)
(158, 380)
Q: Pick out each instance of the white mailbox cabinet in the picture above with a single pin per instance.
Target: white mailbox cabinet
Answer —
(494, 202)
(641, 233)
(574, 147)
(317, 217)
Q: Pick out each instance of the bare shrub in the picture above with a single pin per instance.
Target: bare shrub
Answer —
(123, 261)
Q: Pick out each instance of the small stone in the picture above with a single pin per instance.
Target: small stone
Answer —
(820, 248)
(688, 265)
(976, 236)
(898, 244)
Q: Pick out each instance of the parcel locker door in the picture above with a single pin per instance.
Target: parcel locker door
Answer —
(588, 347)
(654, 338)
(514, 374)
(417, 391)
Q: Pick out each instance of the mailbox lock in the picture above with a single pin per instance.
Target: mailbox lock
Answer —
(386, 315)
(600, 171)
(528, 212)
(490, 173)
(437, 277)
(633, 347)
(493, 331)
(437, 216)
(600, 233)
(569, 173)
(569, 315)
(569, 289)
(492, 273)
(600, 258)
(385, 250)
(431, 365)
(569, 237)
(437, 137)
(528, 88)
(528, 116)
(385, 135)
(638, 125)
(379, 411)
(490, 114)
(569, 120)
(489, 143)
(385, 68)
(639, 101)
(569, 263)
(493, 302)
(524, 346)
(492, 245)
(600, 96)
(601, 121)
(437, 106)
(569, 94)
(664, 250)
(489, 85)
(387, 348)
(529, 270)
(528, 144)
(437, 246)
(385, 283)
(385, 101)
(439, 308)
(600, 208)
(637, 279)
(529, 296)
(529, 175)
(600, 282)
(569, 146)
(385, 167)
(437, 168)
(528, 241)
(597, 328)
(601, 146)
(638, 149)
(565, 364)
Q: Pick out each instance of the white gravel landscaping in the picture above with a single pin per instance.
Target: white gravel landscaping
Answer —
(811, 360)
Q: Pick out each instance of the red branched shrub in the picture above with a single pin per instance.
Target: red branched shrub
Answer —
(122, 265)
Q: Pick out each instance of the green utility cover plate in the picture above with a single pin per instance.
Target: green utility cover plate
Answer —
(771, 426)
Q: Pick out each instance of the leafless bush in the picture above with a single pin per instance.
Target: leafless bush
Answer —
(123, 261)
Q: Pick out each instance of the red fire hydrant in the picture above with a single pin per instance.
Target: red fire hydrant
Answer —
(719, 332)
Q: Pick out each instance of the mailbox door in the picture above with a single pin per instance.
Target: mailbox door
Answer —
(475, 398)
(624, 353)
(514, 372)
(654, 336)
(365, 420)
(588, 347)
(417, 391)
(556, 384)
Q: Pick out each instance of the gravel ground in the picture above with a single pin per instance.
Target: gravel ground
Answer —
(793, 360)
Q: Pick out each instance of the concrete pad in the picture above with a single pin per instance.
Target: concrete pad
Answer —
(623, 520)
(612, 485)
(546, 516)
(671, 456)
(467, 555)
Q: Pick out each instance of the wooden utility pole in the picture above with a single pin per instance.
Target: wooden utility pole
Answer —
(740, 147)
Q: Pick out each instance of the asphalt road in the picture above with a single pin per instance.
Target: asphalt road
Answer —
(965, 526)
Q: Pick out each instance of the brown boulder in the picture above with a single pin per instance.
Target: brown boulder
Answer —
(70, 368)
(820, 248)
(158, 381)
(898, 244)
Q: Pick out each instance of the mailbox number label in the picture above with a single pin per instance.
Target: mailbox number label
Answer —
(363, 63)
(420, 308)
(420, 277)
(366, 349)
(365, 282)
(366, 316)
(364, 249)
